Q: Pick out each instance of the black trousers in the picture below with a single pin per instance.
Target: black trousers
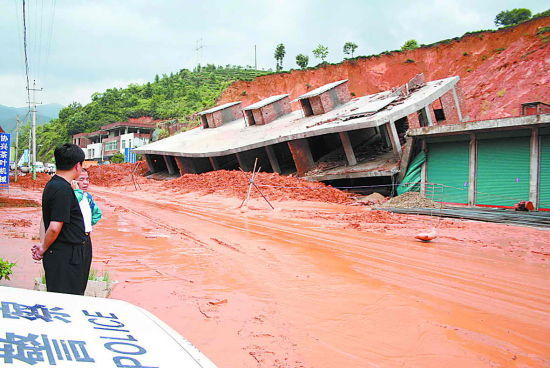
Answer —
(67, 267)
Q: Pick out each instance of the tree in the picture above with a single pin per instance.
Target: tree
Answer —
(321, 52)
(279, 55)
(409, 45)
(117, 158)
(302, 60)
(349, 48)
(510, 17)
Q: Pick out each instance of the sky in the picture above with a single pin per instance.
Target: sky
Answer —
(78, 47)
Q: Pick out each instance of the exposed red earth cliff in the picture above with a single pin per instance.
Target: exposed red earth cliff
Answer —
(498, 71)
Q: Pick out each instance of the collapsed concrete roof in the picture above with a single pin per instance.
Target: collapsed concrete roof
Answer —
(363, 112)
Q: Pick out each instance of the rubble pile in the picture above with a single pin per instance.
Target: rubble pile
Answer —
(273, 186)
(411, 200)
(17, 202)
(117, 174)
(27, 182)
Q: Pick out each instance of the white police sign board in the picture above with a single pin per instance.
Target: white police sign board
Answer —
(40, 329)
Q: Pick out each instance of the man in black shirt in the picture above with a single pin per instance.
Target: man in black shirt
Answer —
(66, 249)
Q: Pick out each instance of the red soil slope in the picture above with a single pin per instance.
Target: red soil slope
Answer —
(498, 71)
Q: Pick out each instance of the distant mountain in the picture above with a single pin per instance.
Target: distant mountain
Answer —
(44, 113)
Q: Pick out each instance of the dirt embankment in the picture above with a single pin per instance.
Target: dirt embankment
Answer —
(498, 71)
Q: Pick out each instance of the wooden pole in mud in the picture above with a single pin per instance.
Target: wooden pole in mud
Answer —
(252, 183)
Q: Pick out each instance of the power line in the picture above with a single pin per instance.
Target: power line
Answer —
(26, 56)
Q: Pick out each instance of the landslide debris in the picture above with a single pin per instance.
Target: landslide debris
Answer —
(272, 185)
(27, 182)
(117, 174)
(411, 200)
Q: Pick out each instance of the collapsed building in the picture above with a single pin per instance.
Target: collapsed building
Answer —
(332, 136)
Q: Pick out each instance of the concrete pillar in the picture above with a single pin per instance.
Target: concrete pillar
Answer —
(301, 154)
(405, 158)
(273, 159)
(214, 163)
(185, 165)
(385, 136)
(348, 148)
(472, 174)
(169, 164)
(429, 114)
(149, 161)
(394, 138)
(424, 171)
(534, 169)
(244, 161)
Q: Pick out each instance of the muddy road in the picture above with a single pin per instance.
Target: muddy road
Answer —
(317, 285)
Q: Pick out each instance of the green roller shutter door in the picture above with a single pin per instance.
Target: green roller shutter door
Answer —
(544, 186)
(503, 171)
(448, 164)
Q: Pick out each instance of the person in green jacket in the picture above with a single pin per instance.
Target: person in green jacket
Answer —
(90, 210)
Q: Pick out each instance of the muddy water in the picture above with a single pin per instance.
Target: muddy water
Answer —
(256, 288)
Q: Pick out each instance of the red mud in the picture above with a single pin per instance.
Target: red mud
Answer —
(117, 174)
(295, 288)
(28, 182)
(498, 71)
(272, 185)
(17, 202)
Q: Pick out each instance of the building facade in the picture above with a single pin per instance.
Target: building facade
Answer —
(114, 138)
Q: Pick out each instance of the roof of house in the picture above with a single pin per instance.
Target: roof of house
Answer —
(322, 89)
(508, 123)
(363, 112)
(218, 108)
(265, 101)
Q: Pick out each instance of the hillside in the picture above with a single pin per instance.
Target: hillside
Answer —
(44, 114)
(175, 96)
(499, 70)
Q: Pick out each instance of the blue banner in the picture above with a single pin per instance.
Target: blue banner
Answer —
(129, 155)
(4, 160)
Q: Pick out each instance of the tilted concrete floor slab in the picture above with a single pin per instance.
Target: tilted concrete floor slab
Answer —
(235, 137)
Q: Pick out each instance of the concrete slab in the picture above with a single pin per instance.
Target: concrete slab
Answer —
(236, 137)
(383, 165)
(483, 125)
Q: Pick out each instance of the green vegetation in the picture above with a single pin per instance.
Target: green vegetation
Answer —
(5, 269)
(409, 61)
(302, 60)
(176, 96)
(321, 52)
(511, 17)
(410, 45)
(117, 158)
(279, 55)
(94, 275)
(349, 48)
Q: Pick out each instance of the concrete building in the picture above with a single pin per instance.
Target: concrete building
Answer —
(115, 137)
(330, 137)
(495, 163)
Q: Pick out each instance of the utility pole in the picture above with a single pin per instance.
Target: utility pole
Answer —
(198, 49)
(16, 145)
(33, 130)
(255, 59)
